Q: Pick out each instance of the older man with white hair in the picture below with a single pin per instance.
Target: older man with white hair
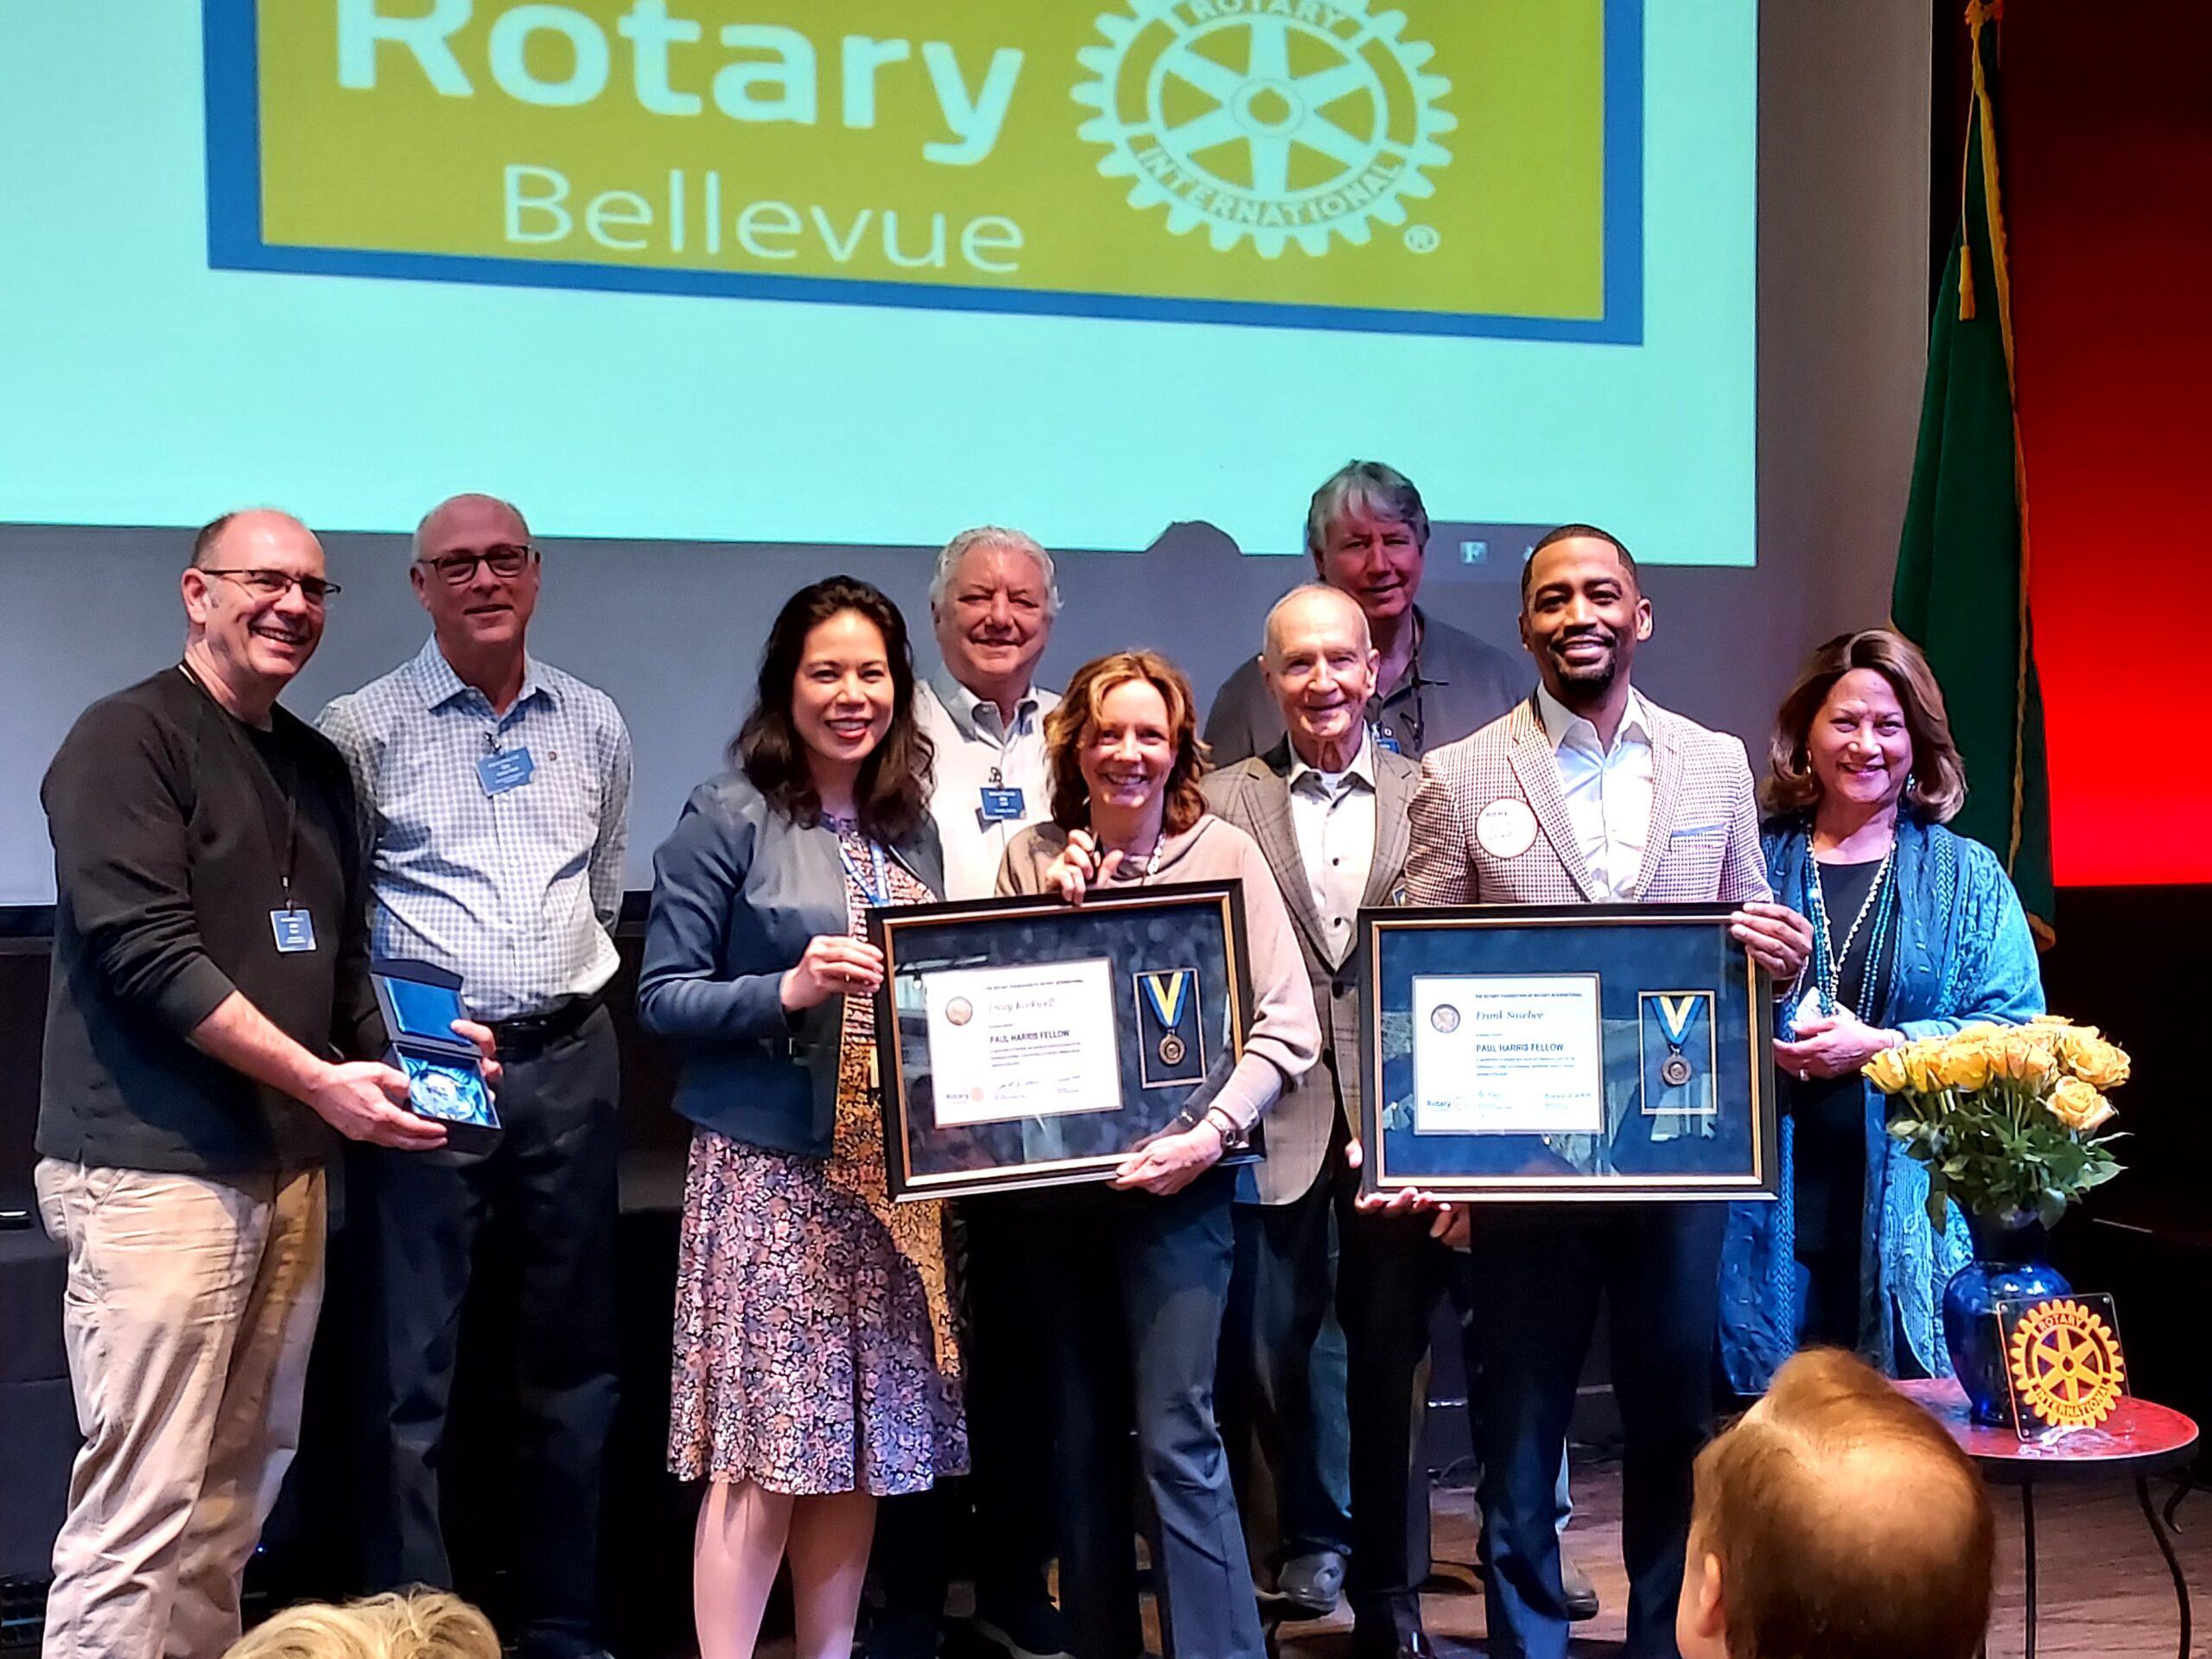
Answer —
(992, 601)
(1328, 806)
(495, 794)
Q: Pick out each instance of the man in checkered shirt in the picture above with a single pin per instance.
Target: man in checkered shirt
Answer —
(494, 792)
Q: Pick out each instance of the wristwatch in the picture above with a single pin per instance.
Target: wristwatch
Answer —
(1232, 1138)
(1216, 1119)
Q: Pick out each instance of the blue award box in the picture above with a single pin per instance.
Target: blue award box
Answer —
(445, 1072)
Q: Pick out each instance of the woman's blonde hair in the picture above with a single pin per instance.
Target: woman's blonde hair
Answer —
(426, 1625)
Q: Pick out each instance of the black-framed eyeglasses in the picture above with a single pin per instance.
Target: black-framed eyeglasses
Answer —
(509, 559)
(275, 584)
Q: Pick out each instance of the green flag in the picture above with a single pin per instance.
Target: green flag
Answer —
(1961, 589)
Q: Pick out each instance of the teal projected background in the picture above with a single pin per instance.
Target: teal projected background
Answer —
(1091, 269)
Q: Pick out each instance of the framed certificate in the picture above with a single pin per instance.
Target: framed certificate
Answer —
(1571, 1052)
(1028, 1042)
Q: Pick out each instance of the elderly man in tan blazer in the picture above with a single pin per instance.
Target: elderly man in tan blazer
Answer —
(1588, 792)
(1328, 807)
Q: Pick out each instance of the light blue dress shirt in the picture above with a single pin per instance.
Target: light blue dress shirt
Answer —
(517, 890)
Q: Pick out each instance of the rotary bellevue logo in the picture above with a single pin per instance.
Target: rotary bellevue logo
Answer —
(1434, 167)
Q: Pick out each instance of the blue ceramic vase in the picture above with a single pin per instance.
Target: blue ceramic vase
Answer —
(2008, 1264)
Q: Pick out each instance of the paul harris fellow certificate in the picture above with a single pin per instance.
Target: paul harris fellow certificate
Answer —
(1505, 1054)
(1030, 1041)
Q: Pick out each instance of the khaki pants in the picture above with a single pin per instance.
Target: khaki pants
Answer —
(188, 1316)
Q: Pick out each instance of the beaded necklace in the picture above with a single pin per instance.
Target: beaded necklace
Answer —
(1827, 960)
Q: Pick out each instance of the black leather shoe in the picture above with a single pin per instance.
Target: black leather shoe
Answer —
(1311, 1583)
(1395, 1644)
(1030, 1630)
(1384, 1642)
(1578, 1595)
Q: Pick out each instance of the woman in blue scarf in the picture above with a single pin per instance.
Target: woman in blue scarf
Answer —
(1916, 933)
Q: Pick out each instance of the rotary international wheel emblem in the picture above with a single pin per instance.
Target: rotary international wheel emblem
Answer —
(2066, 1365)
(1282, 120)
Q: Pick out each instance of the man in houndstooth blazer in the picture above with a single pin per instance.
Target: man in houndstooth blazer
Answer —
(1587, 792)
(1703, 844)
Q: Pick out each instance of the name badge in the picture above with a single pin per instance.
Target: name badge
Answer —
(1001, 805)
(504, 769)
(1506, 828)
(1384, 740)
(294, 931)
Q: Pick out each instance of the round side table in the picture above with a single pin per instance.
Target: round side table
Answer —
(2140, 1439)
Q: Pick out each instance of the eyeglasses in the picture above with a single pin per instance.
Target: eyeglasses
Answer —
(275, 584)
(504, 560)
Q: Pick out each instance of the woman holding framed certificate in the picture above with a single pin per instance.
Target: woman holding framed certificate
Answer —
(1145, 1263)
(817, 1364)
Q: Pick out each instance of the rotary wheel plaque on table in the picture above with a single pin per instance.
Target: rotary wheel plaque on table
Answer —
(2063, 1364)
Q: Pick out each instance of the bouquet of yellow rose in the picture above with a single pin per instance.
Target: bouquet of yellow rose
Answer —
(2006, 1117)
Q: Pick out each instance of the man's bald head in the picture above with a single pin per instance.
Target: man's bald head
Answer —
(1837, 1520)
(1313, 602)
(469, 511)
(1319, 666)
(477, 574)
(219, 540)
(254, 597)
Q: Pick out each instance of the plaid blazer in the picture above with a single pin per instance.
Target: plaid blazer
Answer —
(1703, 844)
(1255, 796)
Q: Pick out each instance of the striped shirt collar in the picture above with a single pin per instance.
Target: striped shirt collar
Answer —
(438, 684)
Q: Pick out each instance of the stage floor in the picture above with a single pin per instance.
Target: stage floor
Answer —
(2102, 1588)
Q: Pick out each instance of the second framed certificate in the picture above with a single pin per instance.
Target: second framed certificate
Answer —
(1565, 1053)
(1039, 1043)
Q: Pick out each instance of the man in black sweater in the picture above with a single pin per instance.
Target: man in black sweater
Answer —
(210, 973)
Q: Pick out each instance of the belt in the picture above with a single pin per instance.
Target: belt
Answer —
(529, 1036)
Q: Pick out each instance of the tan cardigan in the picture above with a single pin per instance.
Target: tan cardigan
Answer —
(1284, 1040)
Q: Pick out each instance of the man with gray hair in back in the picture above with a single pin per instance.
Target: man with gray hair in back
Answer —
(494, 794)
(1367, 533)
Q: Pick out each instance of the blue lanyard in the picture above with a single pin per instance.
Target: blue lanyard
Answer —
(879, 893)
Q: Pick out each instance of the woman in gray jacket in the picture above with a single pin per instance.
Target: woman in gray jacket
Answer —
(818, 1366)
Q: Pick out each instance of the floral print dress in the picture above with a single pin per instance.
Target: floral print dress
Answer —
(817, 1346)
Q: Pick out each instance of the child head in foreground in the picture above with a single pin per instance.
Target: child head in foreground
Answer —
(1836, 1520)
(426, 1625)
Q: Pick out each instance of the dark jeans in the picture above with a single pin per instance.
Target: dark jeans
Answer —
(1279, 1387)
(1538, 1279)
(550, 1188)
(1133, 1327)
(1009, 1387)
